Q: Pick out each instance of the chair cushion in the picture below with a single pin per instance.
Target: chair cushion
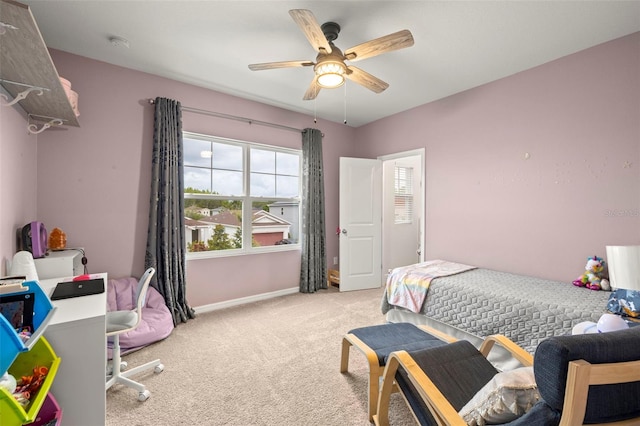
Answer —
(507, 396)
(386, 338)
(121, 320)
(605, 403)
(458, 369)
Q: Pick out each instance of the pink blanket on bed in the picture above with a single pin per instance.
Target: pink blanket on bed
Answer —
(407, 286)
(156, 323)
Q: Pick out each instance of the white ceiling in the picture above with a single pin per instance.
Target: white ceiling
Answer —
(458, 44)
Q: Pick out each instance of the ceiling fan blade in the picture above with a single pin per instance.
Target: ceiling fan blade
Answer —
(283, 64)
(311, 29)
(312, 91)
(375, 47)
(365, 79)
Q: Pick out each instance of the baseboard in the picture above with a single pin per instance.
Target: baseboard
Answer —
(243, 300)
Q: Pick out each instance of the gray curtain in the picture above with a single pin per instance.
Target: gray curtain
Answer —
(165, 238)
(313, 270)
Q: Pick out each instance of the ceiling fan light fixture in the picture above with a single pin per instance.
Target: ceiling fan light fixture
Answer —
(329, 68)
(330, 74)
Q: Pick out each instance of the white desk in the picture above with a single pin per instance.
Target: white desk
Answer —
(77, 334)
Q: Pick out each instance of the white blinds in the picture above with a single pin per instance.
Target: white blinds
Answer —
(403, 192)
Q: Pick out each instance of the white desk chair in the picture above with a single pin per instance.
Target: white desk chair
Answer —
(119, 322)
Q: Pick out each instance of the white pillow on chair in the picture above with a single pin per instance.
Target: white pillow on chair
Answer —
(504, 398)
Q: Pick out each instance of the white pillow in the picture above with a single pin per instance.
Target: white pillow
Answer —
(506, 397)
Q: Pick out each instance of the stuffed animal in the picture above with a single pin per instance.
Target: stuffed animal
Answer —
(593, 276)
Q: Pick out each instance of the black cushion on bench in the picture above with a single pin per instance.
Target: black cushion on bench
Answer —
(386, 338)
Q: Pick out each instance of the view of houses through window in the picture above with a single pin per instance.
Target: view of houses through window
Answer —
(239, 196)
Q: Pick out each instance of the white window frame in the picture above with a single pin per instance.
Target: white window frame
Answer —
(247, 200)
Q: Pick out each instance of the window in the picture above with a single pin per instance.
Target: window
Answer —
(403, 195)
(239, 197)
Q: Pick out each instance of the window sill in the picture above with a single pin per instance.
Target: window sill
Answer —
(230, 253)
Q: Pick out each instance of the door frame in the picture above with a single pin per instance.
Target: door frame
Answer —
(385, 218)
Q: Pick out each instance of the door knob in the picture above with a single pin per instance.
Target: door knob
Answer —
(344, 231)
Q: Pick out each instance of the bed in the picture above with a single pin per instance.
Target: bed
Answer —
(472, 303)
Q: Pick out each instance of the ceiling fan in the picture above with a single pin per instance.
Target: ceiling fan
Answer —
(330, 68)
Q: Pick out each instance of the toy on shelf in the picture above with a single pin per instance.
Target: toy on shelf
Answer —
(593, 276)
(8, 382)
(29, 384)
(24, 316)
(34, 371)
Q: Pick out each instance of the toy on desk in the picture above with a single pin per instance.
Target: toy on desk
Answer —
(57, 239)
(593, 276)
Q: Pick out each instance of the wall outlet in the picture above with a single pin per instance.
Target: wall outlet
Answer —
(335, 260)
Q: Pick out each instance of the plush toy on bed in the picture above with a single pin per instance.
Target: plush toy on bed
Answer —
(593, 276)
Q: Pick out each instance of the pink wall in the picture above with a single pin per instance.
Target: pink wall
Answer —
(578, 118)
(18, 172)
(93, 181)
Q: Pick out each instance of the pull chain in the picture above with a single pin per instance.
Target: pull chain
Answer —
(315, 110)
(345, 102)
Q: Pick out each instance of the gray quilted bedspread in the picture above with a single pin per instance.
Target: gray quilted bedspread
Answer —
(525, 309)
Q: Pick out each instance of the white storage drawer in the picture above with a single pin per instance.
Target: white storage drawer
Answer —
(58, 264)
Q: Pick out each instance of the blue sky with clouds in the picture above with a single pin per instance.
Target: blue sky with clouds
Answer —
(273, 173)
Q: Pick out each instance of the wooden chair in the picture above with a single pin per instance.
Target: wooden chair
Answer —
(376, 342)
(592, 378)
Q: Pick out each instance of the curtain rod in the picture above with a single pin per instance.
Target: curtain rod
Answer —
(236, 118)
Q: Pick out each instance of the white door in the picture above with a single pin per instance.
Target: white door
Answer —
(360, 223)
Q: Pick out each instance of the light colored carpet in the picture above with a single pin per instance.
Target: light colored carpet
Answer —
(273, 362)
